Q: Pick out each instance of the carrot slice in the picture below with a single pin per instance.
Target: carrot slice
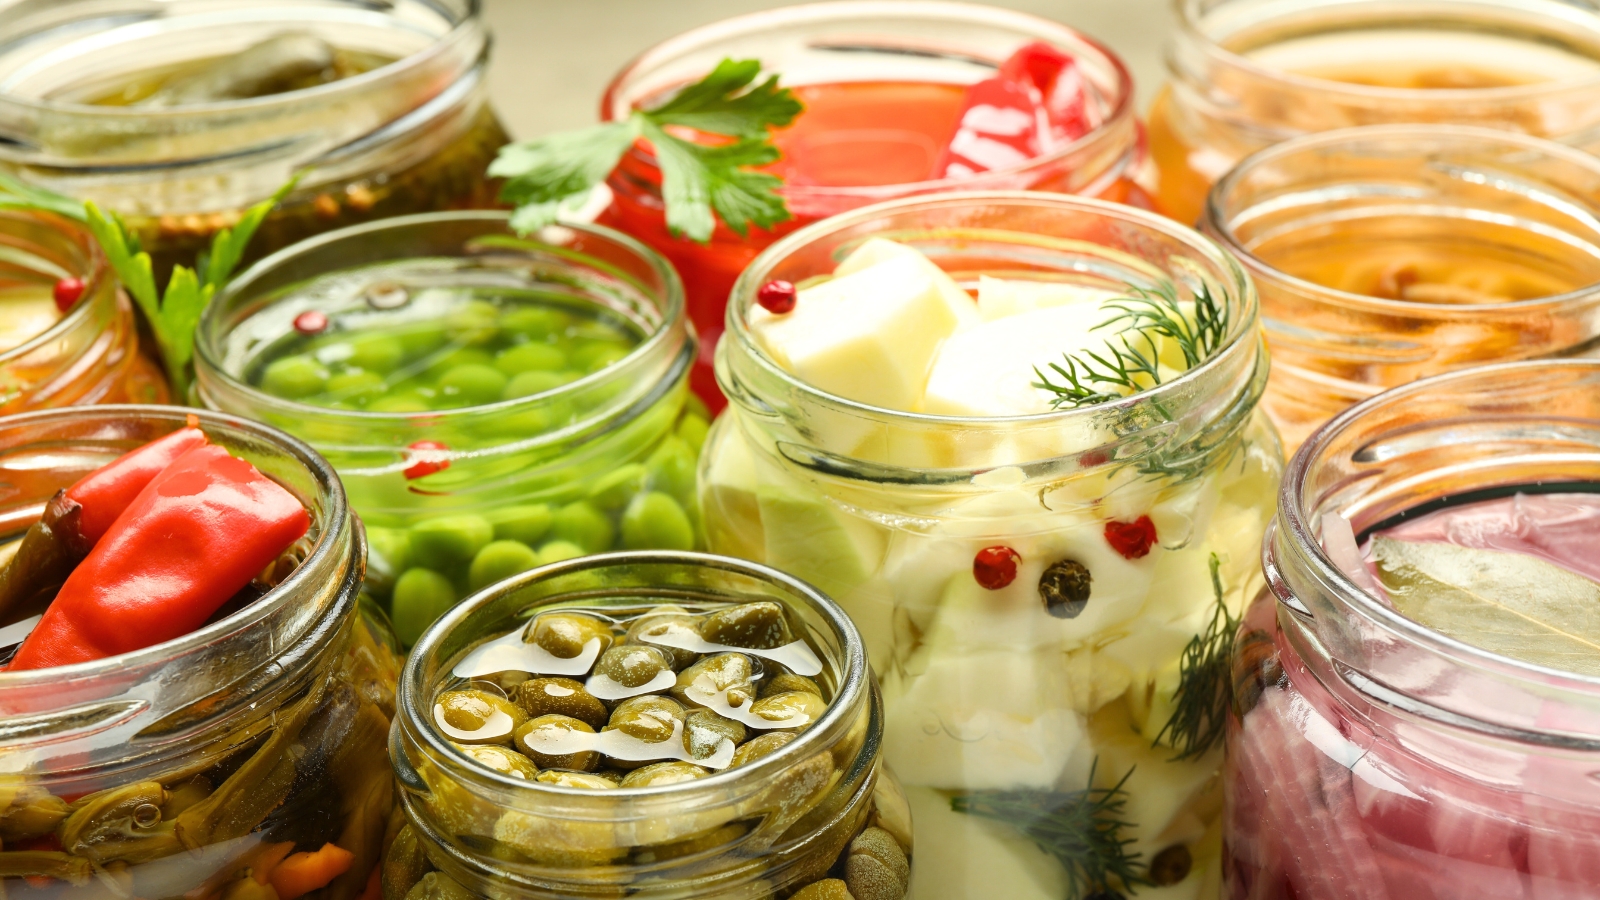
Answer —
(301, 873)
(271, 855)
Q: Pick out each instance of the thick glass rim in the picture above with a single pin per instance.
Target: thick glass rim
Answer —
(97, 273)
(337, 529)
(1245, 333)
(1216, 222)
(615, 104)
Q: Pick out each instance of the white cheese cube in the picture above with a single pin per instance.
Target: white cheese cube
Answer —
(877, 250)
(1002, 297)
(960, 856)
(989, 370)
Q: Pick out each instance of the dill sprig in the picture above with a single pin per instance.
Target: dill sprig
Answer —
(1200, 706)
(1083, 830)
(1132, 364)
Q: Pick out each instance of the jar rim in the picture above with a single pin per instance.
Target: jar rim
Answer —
(755, 275)
(337, 529)
(412, 691)
(98, 271)
(1216, 223)
(614, 103)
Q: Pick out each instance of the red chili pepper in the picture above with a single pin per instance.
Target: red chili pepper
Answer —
(1036, 103)
(108, 490)
(1131, 539)
(194, 537)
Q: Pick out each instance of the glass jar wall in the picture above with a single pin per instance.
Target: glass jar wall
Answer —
(1376, 756)
(1389, 253)
(807, 814)
(1004, 702)
(90, 353)
(193, 766)
(857, 66)
(490, 402)
(181, 117)
(1245, 74)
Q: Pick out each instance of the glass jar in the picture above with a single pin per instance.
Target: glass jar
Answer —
(1377, 757)
(557, 471)
(1387, 253)
(755, 831)
(89, 355)
(826, 44)
(410, 132)
(996, 699)
(1245, 74)
(186, 768)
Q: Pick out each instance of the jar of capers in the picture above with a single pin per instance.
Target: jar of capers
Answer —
(652, 725)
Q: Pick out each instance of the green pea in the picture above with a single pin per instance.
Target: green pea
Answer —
(583, 524)
(526, 523)
(692, 431)
(526, 384)
(656, 521)
(476, 322)
(528, 422)
(294, 377)
(535, 321)
(530, 358)
(607, 358)
(358, 387)
(388, 549)
(556, 551)
(376, 353)
(672, 469)
(420, 340)
(420, 596)
(449, 541)
(477, 384)
(694, 406)
(615, 488)
(592, 356)
(400, 403)
(461, 356)
(498, 561)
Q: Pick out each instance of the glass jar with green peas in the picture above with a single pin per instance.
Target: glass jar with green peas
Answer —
(491, 402)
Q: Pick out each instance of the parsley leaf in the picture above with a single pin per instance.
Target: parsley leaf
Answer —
(699, 182)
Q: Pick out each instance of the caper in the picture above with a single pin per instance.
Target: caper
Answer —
(704, 731)
(564, 696)
(662, 773)
(876, 868)
(614, 776)
(785, 682)
(633, 665)
(438, 886)
(553, 742)
(404, 864)
(1171, 865)
(665, 622)
(802, 708)
(1064, 587)
(474, 716)
(650, 719)
(826, 889)
(564, 634)
(729, 672)
(759, 746)
(759, 626)
(585, 780)
(502, 760)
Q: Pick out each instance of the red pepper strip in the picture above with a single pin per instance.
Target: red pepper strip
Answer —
(190, 540)
(1034, 104)
(108, 490)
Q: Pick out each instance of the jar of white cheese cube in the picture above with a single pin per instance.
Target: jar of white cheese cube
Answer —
(1045, 578)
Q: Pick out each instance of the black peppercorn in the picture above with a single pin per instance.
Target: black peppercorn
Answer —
(1171, 865)
(1064, 588)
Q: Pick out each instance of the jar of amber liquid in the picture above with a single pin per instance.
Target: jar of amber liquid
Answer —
(71, 345)
(180, 115)
(1245, 74)
(1386, 254)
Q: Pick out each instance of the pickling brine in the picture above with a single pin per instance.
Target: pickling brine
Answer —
(1044, 550)
(1413, 715)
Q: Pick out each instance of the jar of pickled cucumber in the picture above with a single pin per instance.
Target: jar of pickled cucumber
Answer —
(1245, 74)
(181, 115)
(67, 334)
(198, 766)
(1415, 694)
(1387, 253)
(1039, 593)
(490, 402)
(654, 725)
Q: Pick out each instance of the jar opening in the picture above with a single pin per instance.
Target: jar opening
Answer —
(41, 249)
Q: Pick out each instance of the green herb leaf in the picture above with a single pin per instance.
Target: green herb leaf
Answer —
(1083, 830)
(1200, 706)
(15, 194)
(700, 182)
(1512, 604)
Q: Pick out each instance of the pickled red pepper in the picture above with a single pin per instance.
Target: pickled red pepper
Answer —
(192, 538)
(107, 491)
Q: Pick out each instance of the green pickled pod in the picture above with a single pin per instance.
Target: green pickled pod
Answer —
(562, 696)
(564, 634)
(704, 730)
(759, 626)
(633, 665)
(802, 708)
(110, 824)
(74, 870)
(476, 716)
(665, 621)
(661, 773)
(185, 795)
(826, 889)
(438, 886)
(535, 735)
(732, 673)
(31, 812)
(501, 759)
(586, 780)
(759, 746)
(780, 684)
(404, 864)
(876, 868)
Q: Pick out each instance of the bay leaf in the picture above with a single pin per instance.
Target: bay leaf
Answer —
(1511, 604)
